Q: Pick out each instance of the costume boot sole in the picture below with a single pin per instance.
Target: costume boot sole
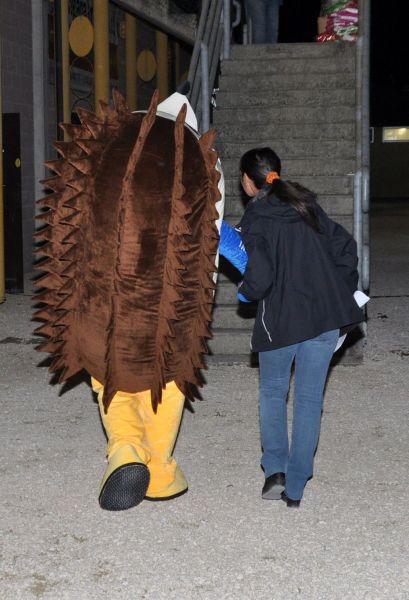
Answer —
(274, 493)
(125, 487)
(165, 498)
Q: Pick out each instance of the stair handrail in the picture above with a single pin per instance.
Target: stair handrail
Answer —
(362, 141)
(214, 21)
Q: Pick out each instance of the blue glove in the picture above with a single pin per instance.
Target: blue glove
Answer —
(232, 248)
(242, 298)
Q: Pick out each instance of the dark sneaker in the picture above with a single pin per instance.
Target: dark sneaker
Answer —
(273, 486)
(290, 503)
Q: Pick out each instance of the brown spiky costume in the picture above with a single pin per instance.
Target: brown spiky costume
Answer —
(129, 246)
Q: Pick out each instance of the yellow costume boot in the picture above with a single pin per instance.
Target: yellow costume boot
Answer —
(166, 478)
(126, 478)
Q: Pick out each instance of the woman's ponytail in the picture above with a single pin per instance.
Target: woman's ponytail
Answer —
(263, 166)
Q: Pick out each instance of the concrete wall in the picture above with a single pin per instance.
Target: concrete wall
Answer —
(159, 13)
(389, 168)
(17, 97)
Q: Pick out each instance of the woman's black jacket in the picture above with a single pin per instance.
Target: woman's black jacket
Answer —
(303, 280)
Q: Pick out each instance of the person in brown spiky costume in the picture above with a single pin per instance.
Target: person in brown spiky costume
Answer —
(130, 247)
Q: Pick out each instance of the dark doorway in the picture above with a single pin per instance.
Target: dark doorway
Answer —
(12, 203)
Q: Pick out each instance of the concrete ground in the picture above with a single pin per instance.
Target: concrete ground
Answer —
(349, 540)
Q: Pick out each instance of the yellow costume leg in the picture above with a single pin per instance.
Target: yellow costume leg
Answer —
(126, 478)
(166, 478)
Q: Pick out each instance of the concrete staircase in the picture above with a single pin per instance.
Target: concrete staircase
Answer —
(300, 100)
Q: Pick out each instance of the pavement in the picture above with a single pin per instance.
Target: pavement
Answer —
(348, 540)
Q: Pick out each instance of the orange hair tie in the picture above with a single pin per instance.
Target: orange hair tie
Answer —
(271, 176)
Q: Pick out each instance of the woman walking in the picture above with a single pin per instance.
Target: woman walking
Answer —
(302, 270)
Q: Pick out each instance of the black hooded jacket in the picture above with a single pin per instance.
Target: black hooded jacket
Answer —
(303, 280)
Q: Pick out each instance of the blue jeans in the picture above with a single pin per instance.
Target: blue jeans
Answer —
(264, 15)
(312, 359)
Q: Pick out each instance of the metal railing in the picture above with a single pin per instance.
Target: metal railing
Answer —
(361, 180)
(213, 28)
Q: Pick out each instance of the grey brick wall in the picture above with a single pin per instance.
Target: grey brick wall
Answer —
(15, 34)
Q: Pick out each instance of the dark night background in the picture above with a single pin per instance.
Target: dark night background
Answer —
(389, 63)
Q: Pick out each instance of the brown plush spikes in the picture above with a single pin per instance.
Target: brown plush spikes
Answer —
(54, 165)
(46, 329)
(172, 279)
(79, 184)
(92, 147)
(110, 368)
(84, 165)
(132, 239)
(112, 117)
(146, 126)
(87, 116)
(97, 129)
(51, 265)
(50, 201)
(49, 347)
(68, 149)
(48, 297)
(51, 281)
(44, 250)
(44, 314)
(46, 216)
(57, 364)
(43, 234)
(120, 103)
(207, 142)
(75, 132)
(53, 183)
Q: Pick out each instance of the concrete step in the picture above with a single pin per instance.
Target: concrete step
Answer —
(230, 342)
(233, 316)
(264, 67)
(288, 81)
(228, 98)
(226, 292)
(290, 148)
(287, 114)
(306, 50)
(267, 132)
(320, 184)
(332, 204)
(293, 167)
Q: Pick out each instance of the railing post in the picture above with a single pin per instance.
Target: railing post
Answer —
(226, 29)
(361, 192)
(365, 9)
(204, 65)
(39, 102)
(358, 233)
(207, 50)
(2, 236)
